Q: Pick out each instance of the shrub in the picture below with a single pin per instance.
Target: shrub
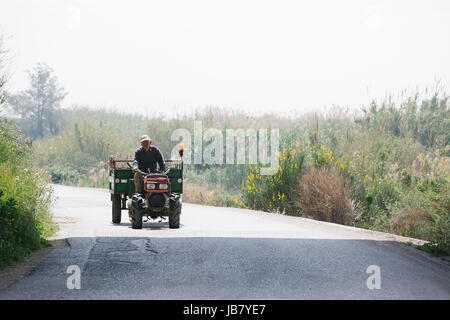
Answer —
(19, 232)
(196, 193)
(25, 198)
(324, 196)
(423, 212)
(275, 193)
(409, 220)
(380, 196)
(201, 194)
(222, 198)
(437, 201)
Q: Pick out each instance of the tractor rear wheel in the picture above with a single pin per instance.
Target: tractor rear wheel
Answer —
(116, 208)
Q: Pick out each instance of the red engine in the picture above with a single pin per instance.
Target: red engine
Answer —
(156, 183)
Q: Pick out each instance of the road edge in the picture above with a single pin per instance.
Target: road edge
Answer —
(18, 270)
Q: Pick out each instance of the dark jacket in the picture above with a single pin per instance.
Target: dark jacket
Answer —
(144, 160)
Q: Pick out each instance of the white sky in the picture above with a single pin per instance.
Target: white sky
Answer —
(253, 55)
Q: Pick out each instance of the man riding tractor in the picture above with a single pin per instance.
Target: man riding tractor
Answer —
(145, 159)
(157, 192)
(143, 189)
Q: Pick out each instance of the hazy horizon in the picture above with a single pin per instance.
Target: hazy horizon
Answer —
(257, 56)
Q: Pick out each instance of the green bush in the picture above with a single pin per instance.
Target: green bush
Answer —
(275, 193)
(19, 232)
(222, 198)
(436, 200)
(25, 198)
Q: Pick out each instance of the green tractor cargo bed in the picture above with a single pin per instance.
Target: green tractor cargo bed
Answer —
(121, 178)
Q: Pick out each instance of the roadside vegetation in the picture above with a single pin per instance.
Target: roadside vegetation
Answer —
(25, 198)
(385, 168)
(25, 195)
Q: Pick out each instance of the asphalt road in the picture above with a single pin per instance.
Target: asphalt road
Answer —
(223, 253)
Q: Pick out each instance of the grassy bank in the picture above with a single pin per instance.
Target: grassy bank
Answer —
(25, 198)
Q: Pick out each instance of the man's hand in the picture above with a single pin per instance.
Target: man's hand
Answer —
(133, 169)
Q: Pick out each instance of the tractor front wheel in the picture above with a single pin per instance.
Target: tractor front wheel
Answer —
(136, 219)
(175, 212)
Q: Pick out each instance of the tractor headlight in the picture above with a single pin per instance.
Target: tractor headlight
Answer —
(117, 180)
(163, 186)
(150, 186)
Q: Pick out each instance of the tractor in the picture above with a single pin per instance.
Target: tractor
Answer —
(161, 196)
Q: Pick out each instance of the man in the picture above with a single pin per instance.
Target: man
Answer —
(145, 159)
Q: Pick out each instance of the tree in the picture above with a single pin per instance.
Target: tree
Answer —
(38, 105)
